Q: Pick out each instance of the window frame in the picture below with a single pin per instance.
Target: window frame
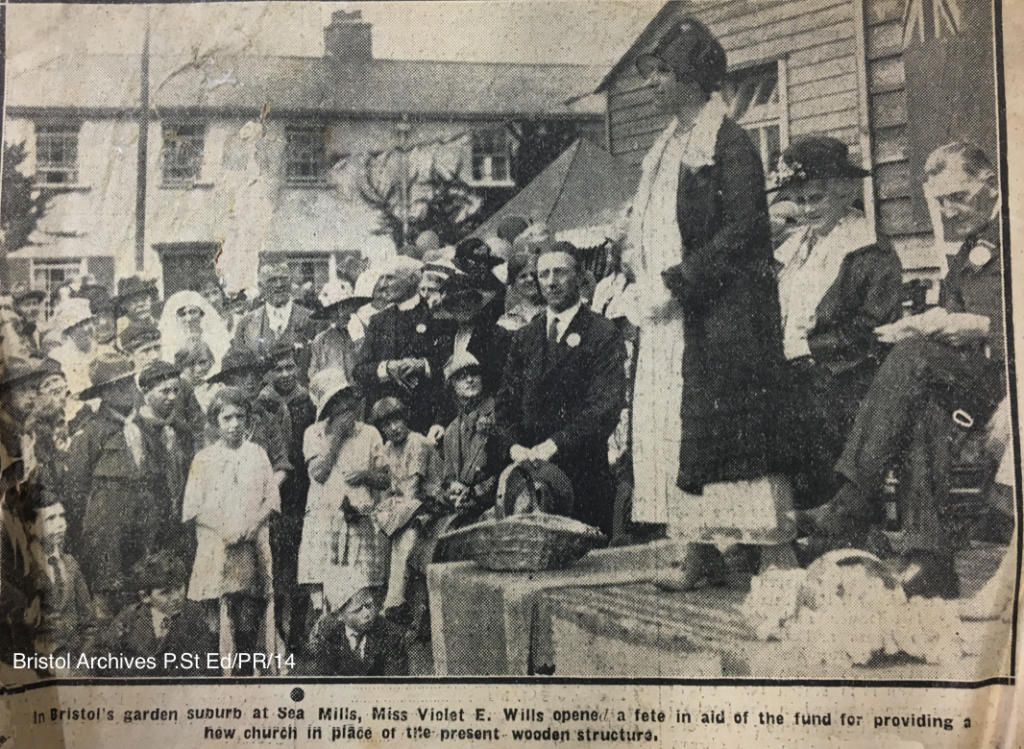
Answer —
(760, 115)
(173, 142)
(72, 267)
(47, 131)
(489, 155)
(318, 161)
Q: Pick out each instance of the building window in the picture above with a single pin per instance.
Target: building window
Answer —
(305, 155)
(492, 157)
(756, 102)
(309, 272)
(57, 153)
(182, 155)
(50, 275)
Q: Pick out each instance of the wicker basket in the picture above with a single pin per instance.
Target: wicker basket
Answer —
(531, 540)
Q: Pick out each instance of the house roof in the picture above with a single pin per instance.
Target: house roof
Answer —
(644, 42)
(580, 196)
(311, 85)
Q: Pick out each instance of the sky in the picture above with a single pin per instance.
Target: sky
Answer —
(593, 32)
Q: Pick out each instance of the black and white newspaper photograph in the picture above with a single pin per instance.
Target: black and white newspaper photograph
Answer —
(509, 372)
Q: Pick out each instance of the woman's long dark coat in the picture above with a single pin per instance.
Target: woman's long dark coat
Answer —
(727, 285)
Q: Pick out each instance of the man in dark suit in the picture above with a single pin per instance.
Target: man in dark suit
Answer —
(278, 319)
(402, 353)
(563, 388)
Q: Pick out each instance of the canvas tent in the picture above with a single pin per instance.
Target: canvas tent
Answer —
(580, 196)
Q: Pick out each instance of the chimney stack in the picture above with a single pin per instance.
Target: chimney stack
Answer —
(347, 38)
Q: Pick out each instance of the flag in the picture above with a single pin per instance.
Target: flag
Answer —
(930, 19)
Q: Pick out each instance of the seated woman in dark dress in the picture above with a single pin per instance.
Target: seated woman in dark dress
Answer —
(837, 283)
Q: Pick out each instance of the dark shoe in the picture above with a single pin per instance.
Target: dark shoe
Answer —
(929, 575)
(699, 565)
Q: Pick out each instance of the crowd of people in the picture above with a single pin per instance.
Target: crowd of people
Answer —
(206, 472)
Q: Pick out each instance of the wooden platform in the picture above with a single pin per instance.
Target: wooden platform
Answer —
(641, 631)
(603, 618)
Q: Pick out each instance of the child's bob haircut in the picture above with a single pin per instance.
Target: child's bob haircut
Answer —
(229, 396)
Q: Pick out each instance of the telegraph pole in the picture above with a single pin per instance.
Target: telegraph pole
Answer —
(142, 155)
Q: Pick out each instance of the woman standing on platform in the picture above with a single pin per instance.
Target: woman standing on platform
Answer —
(707, 305)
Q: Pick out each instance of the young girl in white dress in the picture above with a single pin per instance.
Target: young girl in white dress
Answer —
(232, 494)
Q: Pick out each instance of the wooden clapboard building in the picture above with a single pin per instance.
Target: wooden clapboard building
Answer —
(892, 78)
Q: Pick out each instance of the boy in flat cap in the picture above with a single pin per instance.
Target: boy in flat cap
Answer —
(141, 341)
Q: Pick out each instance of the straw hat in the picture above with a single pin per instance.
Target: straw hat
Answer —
(71, 312)
(459, 362)
(325, 385)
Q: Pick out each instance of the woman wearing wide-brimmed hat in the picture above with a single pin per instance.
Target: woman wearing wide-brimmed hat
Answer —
(334, 346)
(706, 297)
(468, 326)
(837, 283)
(339, 538)
(136, 297)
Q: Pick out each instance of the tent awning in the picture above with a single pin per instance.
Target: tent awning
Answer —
(580, 196)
